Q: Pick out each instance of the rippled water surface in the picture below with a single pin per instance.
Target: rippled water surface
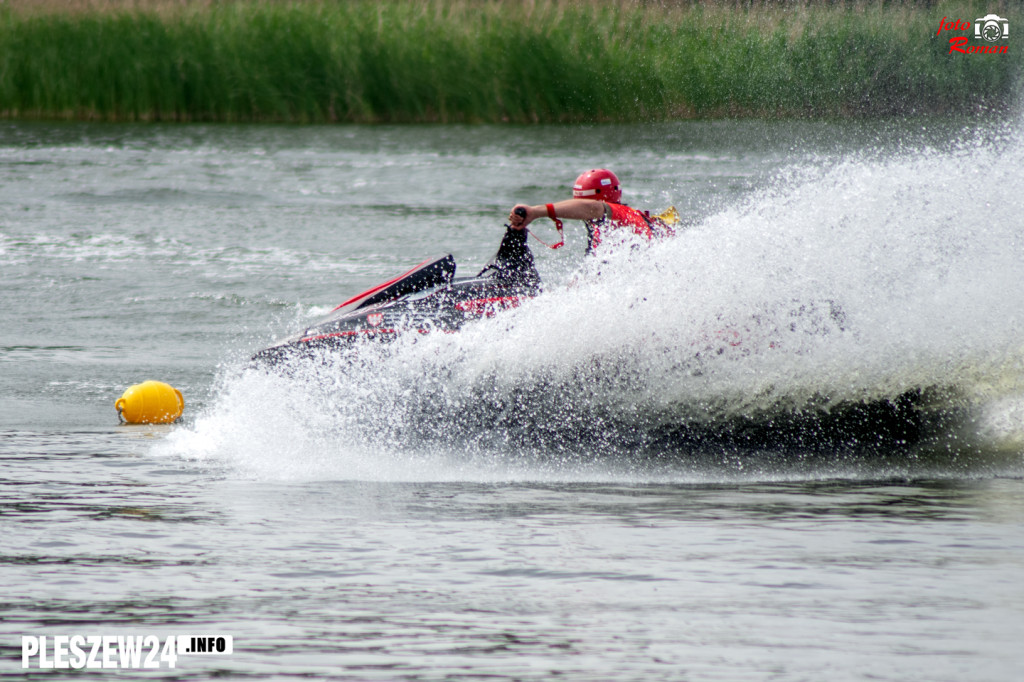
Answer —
(786, 445)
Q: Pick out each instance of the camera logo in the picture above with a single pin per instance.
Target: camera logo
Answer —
(991, 27)
(990, 30)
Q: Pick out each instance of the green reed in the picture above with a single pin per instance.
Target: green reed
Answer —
(493, 61)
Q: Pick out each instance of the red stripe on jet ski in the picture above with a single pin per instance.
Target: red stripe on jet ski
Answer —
(355, 332)
(370, 292)
(488, 306)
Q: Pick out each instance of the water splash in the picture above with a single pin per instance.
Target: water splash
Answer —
(851, 297)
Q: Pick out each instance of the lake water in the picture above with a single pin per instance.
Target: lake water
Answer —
(787, 444)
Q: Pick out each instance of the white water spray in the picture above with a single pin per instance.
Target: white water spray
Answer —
(845, 282)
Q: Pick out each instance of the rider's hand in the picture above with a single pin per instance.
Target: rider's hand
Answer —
(520, 216)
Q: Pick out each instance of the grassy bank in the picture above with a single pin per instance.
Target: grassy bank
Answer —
(400, 60)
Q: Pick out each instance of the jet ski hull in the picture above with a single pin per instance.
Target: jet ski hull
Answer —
(426, 299)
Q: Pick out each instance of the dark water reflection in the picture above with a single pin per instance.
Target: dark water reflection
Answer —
(373, 580)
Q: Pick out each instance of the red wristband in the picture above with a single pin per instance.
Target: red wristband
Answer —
(551, 211)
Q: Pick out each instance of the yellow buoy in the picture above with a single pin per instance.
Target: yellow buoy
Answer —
(151, 402)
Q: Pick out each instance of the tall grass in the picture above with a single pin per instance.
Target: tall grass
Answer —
(491, 61)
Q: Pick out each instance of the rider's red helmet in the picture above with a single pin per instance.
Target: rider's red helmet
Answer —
(600, 184)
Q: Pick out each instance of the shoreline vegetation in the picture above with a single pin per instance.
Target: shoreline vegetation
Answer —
(518, 61)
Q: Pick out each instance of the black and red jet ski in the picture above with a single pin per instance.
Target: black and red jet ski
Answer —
(427, 298)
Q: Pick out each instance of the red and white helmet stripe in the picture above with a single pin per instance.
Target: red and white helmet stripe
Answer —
(599, 183)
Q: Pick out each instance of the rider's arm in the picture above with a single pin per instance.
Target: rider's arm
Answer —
(575, 209)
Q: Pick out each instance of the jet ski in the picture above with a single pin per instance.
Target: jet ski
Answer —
(428, 298)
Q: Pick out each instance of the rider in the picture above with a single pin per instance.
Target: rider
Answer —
(596, 199)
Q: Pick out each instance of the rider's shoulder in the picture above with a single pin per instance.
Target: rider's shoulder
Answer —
(620, 212)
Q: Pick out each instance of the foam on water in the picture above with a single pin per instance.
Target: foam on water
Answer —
(107, 248)
(848, 282)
